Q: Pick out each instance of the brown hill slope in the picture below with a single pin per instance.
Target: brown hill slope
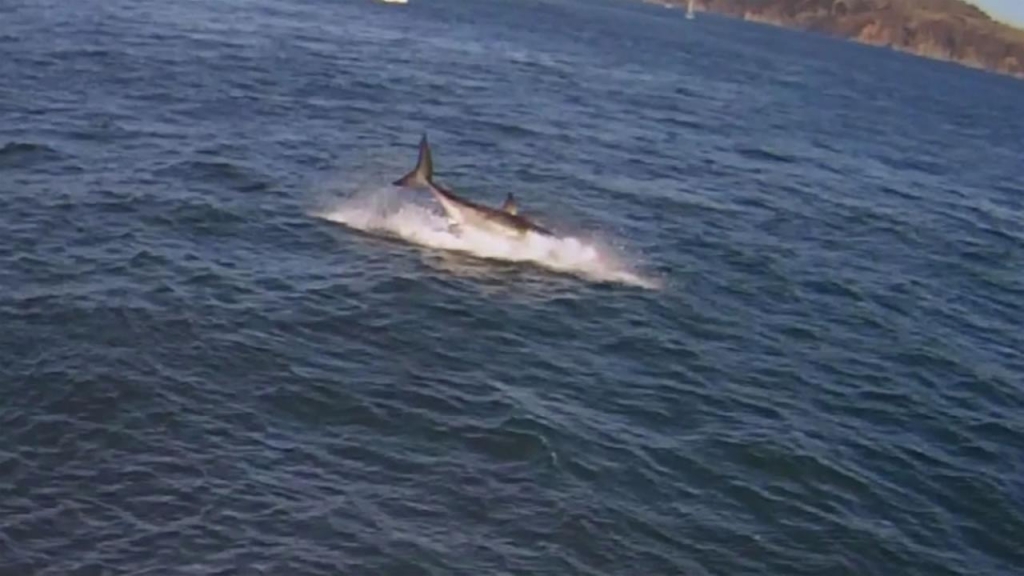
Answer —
(946, 29)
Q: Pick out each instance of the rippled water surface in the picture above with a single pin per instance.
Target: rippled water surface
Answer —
(780, 332)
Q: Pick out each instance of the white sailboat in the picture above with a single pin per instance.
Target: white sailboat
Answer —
(689, 10)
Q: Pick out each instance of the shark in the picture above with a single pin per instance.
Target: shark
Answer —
(463, 213)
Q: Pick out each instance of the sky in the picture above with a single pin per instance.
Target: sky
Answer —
(1011, 11)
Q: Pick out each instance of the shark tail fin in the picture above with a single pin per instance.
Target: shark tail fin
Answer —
(510, 205)
(423, 173)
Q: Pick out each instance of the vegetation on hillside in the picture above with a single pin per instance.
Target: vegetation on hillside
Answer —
(947, 29)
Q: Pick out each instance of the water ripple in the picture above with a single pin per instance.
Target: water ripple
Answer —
(789, 344)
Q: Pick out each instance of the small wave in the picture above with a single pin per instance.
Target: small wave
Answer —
(14, 154)
(383, 211)
(239, 176)
(766, 155)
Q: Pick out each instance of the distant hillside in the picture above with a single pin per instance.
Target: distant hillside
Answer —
(945, 29)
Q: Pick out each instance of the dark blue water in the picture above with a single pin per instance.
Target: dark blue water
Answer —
(781, 333)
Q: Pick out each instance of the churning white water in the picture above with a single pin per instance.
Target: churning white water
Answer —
(384, 211)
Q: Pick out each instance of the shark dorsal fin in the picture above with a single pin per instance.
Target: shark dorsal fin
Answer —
(423, 173)
(510, 205)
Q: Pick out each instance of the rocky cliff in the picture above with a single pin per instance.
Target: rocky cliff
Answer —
(947, 29)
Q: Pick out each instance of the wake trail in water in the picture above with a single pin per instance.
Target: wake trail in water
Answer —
(383, 211)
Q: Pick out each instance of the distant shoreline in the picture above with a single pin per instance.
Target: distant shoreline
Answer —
(950, 30)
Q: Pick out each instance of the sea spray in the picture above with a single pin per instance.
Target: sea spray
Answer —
(385, 211)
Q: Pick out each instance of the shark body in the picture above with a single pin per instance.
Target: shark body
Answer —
(465, 213)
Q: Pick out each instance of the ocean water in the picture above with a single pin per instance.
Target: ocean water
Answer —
(779, 332)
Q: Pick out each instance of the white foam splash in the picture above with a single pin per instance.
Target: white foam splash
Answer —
(383, 211)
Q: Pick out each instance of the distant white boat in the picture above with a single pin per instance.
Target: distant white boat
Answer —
(689, 10)
(395, 1)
